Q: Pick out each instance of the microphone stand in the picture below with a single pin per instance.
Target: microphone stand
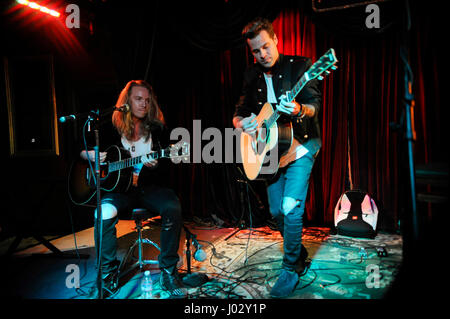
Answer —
(96, 121)
(407, 124)
(192, 279)
(188, 251)
(241, 223)
(94, 118)
(410, 133)
(99, 208)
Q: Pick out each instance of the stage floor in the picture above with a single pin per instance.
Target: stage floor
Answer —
(242, 265)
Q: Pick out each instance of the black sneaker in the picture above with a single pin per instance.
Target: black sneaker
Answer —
(285, 285)
(171, 283)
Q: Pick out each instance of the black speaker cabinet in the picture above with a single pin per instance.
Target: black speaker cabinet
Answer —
(31, 104)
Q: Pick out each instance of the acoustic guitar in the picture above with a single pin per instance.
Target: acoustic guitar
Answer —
(271, 136)
(116, 172)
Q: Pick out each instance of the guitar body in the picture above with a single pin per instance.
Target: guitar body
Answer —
(255, 148)
(81, 185)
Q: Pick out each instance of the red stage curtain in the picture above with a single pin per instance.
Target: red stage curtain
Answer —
(360, 100)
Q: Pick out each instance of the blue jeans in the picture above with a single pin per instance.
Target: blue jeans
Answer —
(291, 181)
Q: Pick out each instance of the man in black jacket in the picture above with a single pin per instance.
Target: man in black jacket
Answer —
(267, 81)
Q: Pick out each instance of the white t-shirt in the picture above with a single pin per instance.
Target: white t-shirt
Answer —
(271, 98)
(137, 148)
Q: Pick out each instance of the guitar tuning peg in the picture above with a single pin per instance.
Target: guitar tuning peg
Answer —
(320, 78)
(334, 67)
(327, 72)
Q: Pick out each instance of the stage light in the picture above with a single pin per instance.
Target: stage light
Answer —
(54, 13)
(36, 6)
(44, 9)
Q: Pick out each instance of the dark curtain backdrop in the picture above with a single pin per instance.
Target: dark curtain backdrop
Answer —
(360, 102)
(365, 97)
(196, 64)
(193, 55)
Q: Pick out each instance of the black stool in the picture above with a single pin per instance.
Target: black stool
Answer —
(138, 215)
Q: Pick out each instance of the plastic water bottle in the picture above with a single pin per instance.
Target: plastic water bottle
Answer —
(146, 286)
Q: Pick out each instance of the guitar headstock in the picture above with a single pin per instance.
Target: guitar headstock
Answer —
(179, 152)
(321, 67)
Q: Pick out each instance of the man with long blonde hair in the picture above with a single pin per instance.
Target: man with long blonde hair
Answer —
(139, 127)
(125, 121)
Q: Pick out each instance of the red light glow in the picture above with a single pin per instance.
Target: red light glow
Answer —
(36, 6)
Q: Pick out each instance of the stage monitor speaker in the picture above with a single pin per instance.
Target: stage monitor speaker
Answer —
(31, 105)
(356, 215)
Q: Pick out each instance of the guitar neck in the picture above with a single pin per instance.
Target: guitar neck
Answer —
(290, 95)
(315, 71)
(129, 162)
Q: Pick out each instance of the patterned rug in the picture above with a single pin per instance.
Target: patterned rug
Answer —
(246, 265)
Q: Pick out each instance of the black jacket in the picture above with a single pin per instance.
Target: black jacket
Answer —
(285, 74)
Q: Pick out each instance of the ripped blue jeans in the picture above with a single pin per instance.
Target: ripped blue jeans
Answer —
(286, 196)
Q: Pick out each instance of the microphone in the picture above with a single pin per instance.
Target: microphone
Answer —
(194, 279)
(123, 108)
(71, 117)
(200, 254)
